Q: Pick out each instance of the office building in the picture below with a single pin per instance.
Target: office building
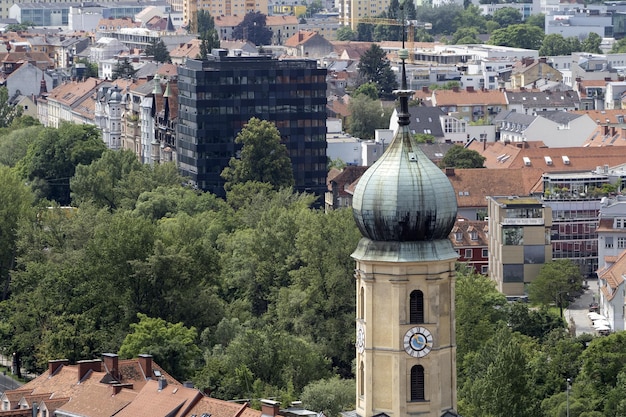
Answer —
(519, 241)
(218, 96)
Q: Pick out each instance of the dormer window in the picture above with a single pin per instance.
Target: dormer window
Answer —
(458, 236)
(620, 223)
(474, 235)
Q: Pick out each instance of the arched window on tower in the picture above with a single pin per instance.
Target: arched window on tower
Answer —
(417, 383)
(361, 379)
(362, 303)
(416, 306)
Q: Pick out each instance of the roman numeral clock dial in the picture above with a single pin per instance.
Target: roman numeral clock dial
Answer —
(418, 342)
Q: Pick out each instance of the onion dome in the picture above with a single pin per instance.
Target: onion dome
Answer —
(404, 197)
(116, 95)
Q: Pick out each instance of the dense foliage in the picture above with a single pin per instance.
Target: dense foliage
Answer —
(253, 28)
(250, 297)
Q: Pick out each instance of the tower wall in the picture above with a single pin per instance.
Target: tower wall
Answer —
(383, 313)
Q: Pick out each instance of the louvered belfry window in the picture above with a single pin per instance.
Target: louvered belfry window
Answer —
(417, 307)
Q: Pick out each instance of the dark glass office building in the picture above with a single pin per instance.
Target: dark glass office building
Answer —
(219, 95)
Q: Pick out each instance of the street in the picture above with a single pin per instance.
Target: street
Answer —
(578, 310)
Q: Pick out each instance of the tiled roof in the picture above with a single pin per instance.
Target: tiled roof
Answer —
(500, 155)
(543, 98)
(189, 49)
(604, 116)
(98, 401)
(353, 49)
(614, 275)
(606, 136)
(172, 401)
(233, 21)
(69, 93)
(281, 20)
(446, 98)
(346, 177)
(217, 408)
(472, 186)
(469, 228)
(168, 70)
(300, 38)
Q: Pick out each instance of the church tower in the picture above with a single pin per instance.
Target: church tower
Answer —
(405, 207)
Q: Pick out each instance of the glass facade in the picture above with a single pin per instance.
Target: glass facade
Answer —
(218, 96)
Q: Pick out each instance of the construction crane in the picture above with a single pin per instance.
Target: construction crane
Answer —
(410, 24)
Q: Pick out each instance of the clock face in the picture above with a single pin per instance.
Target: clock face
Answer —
(360, 338)
(418, 342)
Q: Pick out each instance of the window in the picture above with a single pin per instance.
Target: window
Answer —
(417, 383)
(361, 303)
(474, 234)
(621, 242)
(361, 379)
(458, 236)
(416, 307)
(468, 253)
(485, 253)
(608, 242)
(484, 269)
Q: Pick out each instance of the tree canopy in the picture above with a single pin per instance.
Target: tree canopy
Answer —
(205, 26)
(558, 282)
(123, 69)
(158, 51)
(461, 157)
(375, 67)
(254, 29)
(8, 111)
(263, 157)
(518, 36)
(367, 115)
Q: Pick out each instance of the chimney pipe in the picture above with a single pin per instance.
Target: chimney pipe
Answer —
(111, 364)
(270, 408)
(162, 383)
(86, 366)
(54, 365)
(145, 362)
(450, 171)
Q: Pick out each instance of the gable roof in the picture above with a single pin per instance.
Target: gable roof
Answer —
(218, 408)
(465, 228)
(170, 401)
(98, 400)
(473, 185)
(613, 275)
(300, 38)
(546, 98)
(456, 97)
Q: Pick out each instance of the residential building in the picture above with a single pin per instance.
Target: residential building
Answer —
(610, 129)
(308, 44)
(612, 260)
(341, 185)
(529, 72)
(111, 386)
(219, 95)
(579, 23)
(530, 102)
(21, 81)
(470, 104)
(470, 239)
(554, 128)
(519, 241)
(525, 9)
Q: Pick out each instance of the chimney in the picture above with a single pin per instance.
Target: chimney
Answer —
(269, 408)
(111, 364)
(188, 384)
(424, 89)
(116, 388)
(450, 171)
(86, 366)
(162, 383)
(542, 60)
(469, 89)
(56, 364)
(145, 362)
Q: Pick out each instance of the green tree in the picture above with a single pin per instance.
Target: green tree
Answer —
(471, 17)
(591, 43)
(364, 32)
(619, 46)
(443, 18)
(52, 159)
(123, 69)
(507, 16)
(17, 201)
(367, 115)
(538, 20)
(14, 145)
(518, 36)
(375, 67)
(368, 89)
(210, 39)
(465, 36)
(8, 111)
(263, 157)
(500, 384)
(253, 28)
(557, 282)
(330, 396)
(172, 345)
(345, 33)
(555, 44)
(158, 51)
(461, 157)
(424, 138)
(91, 69)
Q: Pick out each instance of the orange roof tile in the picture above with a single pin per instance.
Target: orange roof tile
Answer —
(466, 227)
(172, 401)
(302, 37)
(233, 21)
(98, 401)
(189, 49)
(603, 116)
(613, 275)
(218, 408)
(468, 98)
(281, 20)
(472, 186)
(71, 92)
